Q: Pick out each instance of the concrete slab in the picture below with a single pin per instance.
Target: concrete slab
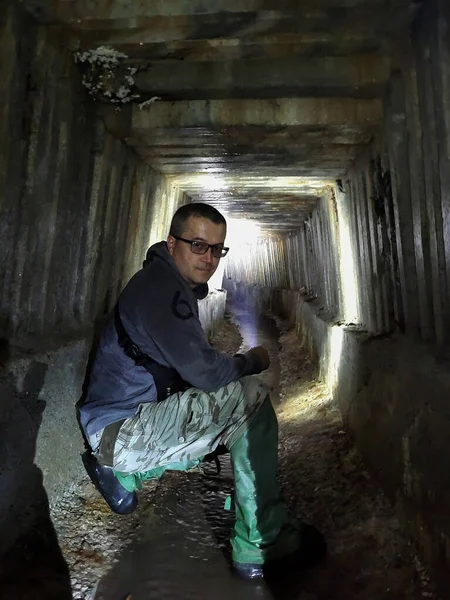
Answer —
(234, 48)
(362, 76)
(86, 10)
(283, 112)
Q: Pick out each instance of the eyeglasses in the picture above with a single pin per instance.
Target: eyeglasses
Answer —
(217, 250)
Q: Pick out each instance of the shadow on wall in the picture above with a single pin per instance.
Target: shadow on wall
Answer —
(32, 565)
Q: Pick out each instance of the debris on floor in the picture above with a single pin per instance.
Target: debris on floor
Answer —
(325, 481)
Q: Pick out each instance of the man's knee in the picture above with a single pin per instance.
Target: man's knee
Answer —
(254, 387)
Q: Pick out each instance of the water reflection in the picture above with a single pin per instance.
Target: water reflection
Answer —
(181, 551)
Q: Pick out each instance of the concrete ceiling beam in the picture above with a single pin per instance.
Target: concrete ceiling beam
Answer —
(279, 47)
(179, 153)
(367, 21)
(319, 169)
(275, 197)
(202, 164)
(356, 76)
(268, 204)
(245, 201)
(258, 137)
(284, 112)
(244, 180)
(74, 10)
(265, 211)
(250, 195)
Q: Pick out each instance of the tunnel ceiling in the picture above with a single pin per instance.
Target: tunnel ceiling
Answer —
(261, 103)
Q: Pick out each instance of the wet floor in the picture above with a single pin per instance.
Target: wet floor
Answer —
(181, 550)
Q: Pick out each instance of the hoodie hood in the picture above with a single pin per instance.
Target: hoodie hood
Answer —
(160, 251)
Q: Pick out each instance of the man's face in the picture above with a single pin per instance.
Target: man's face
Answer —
(196, 268)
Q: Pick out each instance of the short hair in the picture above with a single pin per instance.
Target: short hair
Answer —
(194, 209)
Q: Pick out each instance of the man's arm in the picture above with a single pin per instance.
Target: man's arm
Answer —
(178, 334)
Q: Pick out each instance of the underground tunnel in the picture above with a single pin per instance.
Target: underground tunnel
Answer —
(321, 130)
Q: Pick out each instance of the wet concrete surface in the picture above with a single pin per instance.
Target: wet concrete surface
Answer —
(181, 551)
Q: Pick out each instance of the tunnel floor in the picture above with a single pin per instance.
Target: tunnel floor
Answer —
(175, 545)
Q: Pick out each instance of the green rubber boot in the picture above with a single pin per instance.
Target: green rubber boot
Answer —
(263, 533)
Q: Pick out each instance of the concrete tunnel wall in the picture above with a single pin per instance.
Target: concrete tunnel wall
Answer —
(78, 211)
(366, 284)
(365, 280)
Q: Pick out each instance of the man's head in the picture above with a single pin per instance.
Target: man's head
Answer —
(201, 223)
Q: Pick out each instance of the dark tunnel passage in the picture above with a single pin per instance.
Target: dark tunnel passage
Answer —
(321, 130)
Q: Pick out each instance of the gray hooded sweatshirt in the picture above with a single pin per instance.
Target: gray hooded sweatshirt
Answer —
(160, 313)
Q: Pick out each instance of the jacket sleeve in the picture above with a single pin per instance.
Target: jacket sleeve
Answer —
(177, 332)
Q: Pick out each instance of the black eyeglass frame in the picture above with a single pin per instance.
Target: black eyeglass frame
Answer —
(223, 250)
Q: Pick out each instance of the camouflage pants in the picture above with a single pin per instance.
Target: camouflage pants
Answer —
(187, 426)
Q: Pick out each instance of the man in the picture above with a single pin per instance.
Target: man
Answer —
(160, 397)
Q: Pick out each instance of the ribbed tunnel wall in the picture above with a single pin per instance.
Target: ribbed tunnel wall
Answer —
(78, 209)
(306, 260)
(366, 283)
(365, 280)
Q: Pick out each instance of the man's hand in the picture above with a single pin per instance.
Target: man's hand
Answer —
(261, 353)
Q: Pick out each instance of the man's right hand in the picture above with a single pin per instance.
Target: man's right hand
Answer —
(263, 356)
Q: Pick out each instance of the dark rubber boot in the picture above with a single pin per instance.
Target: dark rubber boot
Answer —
(119, 500)
(311, 551)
